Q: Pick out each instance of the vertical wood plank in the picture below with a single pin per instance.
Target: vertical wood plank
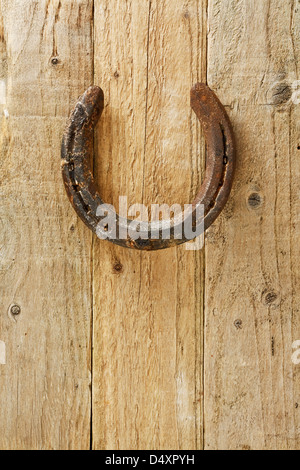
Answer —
(147, 362)
(252, 387)
(45, 253)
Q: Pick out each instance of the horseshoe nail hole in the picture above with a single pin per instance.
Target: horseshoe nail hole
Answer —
(116, 74)
(105, 228)
(212, 204)
(254, 200)
(86, 208)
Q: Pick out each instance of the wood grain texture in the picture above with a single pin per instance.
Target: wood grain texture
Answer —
(147, 370)
(45, 253)
(252, 388)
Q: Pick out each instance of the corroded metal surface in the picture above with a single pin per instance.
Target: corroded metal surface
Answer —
(77, 149)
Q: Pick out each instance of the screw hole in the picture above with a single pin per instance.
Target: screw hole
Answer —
(15, 310)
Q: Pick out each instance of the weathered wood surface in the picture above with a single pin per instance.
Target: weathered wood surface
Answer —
(252, 387)
(147, 306)
(45, 252)
(152, 326)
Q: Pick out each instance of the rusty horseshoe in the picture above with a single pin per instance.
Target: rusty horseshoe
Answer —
(77, 149)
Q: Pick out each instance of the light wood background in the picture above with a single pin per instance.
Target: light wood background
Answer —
(115, 349)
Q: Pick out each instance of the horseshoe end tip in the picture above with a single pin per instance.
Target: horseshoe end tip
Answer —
(94, 94)
(93, 101)
(199, 91)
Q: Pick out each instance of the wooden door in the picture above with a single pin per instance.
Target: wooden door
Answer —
(107, 348)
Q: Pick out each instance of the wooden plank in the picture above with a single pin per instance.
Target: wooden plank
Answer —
(147, 375)
(45, 253)
(252, 387)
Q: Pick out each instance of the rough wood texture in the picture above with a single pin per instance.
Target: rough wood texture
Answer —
(252, 388)
(147, 377)
(45, 253)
